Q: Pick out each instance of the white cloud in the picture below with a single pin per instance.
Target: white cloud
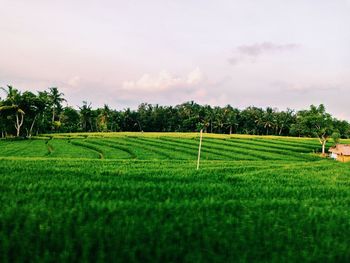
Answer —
(164, 81)
(251, 52)
(307, 86)
(74, 81)
(194, 77)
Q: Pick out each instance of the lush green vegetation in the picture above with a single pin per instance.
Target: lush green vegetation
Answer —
(132, 197)
(25, 114)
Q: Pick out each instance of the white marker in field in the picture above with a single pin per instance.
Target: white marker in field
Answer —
(199, 149)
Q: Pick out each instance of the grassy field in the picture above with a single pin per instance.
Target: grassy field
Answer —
(136, 197)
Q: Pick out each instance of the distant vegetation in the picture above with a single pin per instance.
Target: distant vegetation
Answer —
(25, 113)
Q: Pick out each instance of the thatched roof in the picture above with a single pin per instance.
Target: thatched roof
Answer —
(341, 149)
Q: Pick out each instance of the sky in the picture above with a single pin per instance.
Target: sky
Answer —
(284, 54)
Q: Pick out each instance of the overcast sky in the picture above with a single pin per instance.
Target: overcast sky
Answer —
(289, 53)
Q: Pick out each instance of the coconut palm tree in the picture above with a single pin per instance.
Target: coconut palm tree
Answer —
(268, 119)
(86, 116)
(56, 99)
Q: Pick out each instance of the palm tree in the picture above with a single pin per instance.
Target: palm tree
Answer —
(205, 117)
(56, 98)
(268, 119)
(102, 118)
(231, 118)
(86, 116)
(219, 119)
(284, 120)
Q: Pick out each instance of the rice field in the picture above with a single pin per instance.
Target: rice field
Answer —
(137, 197)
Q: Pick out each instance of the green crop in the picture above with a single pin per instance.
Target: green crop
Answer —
(139, 198)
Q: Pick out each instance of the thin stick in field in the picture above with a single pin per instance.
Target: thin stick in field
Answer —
(199, 149)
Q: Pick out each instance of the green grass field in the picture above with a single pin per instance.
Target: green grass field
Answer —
(132, 197)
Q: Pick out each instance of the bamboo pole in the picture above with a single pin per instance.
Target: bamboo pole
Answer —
(200, 147)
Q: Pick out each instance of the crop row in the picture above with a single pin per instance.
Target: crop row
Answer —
(164, 147)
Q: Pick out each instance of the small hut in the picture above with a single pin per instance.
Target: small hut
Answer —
(341, 152)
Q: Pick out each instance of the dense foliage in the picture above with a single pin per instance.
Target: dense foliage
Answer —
(111, 197)
(26, 113)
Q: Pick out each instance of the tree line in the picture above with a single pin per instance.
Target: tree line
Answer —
(24, 114)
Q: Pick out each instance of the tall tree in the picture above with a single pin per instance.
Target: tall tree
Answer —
(86, 116)
(11, 106)
(284, 120)
(103, 118)
(56, 99)
(70, 119)
(268, 119)
(231, 118)
(316, 122)
(220, 119)
(206, 114)
(33, 106)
